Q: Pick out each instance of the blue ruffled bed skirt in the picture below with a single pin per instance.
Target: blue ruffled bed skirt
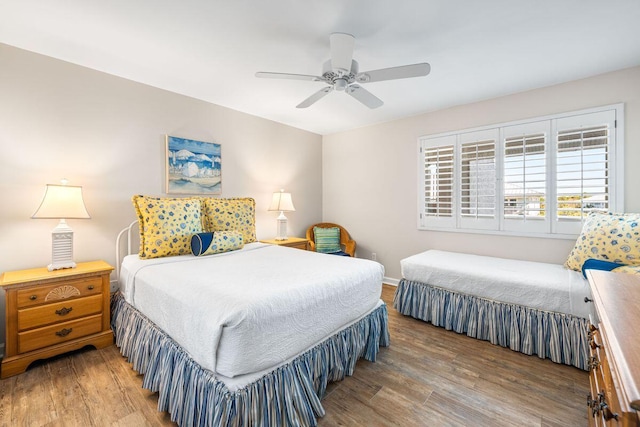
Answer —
(563, 338)
(288, 396)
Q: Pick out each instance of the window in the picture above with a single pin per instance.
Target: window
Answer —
(535, 177)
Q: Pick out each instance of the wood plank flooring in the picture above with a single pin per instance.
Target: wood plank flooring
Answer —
(427, 377)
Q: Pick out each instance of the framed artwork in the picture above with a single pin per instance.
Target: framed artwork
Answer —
(193, 167)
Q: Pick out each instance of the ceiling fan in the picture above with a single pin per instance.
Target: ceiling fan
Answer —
(341, 74)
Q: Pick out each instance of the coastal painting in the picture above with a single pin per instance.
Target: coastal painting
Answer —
(193, 167)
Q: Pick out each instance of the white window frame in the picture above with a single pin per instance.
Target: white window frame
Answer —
(549, 227)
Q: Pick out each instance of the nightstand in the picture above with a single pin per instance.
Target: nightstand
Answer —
(292, 242)
(53, 312)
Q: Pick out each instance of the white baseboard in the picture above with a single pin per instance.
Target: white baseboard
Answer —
(390, 281)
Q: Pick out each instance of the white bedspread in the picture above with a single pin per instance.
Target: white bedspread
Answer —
(252, 309)
(549, 287)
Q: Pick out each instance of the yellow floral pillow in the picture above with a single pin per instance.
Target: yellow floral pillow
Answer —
(609, 237)
(230, 214)
(166, 225)
(629, 269)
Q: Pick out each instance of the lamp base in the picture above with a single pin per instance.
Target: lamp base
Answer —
(62, 247)
(61, 265)
(282, 227)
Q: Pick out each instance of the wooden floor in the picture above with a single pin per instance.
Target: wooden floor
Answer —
(427, 377)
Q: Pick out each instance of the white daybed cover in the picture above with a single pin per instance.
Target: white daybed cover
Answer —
(248, 310)
(548, 287)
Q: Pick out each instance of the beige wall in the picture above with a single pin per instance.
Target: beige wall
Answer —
(59, 120)
(370, 174)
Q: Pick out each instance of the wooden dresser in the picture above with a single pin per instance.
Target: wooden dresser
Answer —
(52, 312)
(615, 350)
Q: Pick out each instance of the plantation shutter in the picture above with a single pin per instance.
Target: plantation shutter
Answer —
(438, 198)
(583, 176)
(524, 185)
(477, 177)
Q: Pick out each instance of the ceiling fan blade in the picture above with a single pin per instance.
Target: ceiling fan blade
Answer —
(364, 96)
(315, 97)
(393, 73)
(288, 76)
(341, 51)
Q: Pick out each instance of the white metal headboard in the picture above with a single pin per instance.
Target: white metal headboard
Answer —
(128, 231)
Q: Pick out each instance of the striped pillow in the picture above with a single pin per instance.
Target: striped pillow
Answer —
(327, 239)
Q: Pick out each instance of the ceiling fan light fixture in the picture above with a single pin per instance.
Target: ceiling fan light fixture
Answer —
(340, 84)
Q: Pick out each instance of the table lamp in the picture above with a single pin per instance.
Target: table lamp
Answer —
(62, 202)
(281, 201)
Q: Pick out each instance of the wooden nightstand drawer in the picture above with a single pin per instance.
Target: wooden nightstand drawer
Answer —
(58, 333)
(291, 242)
(66, 289)
(298, 245)
(34, 317)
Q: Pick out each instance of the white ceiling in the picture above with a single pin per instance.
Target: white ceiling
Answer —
(211, 49)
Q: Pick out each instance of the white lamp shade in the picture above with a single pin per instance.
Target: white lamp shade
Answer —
(281, 201)
(62, 202)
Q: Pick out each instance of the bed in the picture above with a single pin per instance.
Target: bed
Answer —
(250, 336)
(530, 307)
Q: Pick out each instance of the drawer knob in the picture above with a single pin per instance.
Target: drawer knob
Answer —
(90, 287)
(607, 413)
(64, 332)
(594, 405)
(33, 297)
(587, 299)
(64, 311)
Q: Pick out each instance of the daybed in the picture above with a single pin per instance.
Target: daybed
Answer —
(244, 337)
(530, 307)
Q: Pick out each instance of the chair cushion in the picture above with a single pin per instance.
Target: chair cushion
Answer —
(341, 253)
(327, 239)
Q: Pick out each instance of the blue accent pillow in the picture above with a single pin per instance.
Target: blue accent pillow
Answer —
(327, 239)
(597, 264)
(216, 242)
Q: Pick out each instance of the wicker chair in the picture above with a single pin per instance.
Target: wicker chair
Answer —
(348, 245)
